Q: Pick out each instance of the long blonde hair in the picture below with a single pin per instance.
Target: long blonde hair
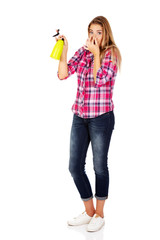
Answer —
(107, 40)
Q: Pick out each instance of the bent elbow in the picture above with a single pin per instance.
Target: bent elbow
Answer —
(62, 77)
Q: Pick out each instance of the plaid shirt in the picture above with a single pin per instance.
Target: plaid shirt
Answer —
(93, 98)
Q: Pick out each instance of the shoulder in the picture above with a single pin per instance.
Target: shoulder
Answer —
(107, 54)
(79, 54)
(80, 51)
(108, 60)
(107, 57)
(111, 58)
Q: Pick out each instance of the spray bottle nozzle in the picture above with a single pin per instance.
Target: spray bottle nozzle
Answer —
(56, 33)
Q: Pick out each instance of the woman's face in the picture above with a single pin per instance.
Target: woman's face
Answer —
(95, 30)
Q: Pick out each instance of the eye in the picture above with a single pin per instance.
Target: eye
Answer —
(91, 32)
(99, 33)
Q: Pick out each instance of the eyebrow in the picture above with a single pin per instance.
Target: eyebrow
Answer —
(97, 30)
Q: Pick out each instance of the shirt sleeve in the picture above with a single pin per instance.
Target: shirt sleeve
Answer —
(106, 71)
(73, 63)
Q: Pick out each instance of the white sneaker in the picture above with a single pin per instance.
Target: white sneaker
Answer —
(96, 223)
(83, 218)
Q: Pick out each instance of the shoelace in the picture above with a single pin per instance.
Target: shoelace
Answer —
(80, 215)
(94, 219)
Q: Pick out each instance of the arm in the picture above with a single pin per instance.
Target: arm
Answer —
(67, 69)
(94, 48)
(102, 72)
(96, 65)
(105, 72)
(62, 67)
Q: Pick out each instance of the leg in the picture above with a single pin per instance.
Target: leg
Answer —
(100, 129)
(79, 142)
(99, 207)
(89, 207)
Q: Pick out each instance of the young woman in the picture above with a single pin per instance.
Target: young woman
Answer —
(96, 65)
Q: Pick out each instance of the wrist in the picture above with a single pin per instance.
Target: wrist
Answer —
(97, 54)
(65, 50)
(63, 57)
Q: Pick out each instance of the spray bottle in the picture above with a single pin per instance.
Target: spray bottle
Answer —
(58, 48)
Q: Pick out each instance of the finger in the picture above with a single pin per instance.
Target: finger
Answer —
(96, 41)
(85, 47)
(92, 41)
(88, 39)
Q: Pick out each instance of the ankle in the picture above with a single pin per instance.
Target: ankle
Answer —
(90, 212)
(101, 214)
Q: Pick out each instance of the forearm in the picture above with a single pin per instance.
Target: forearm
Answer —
(62, 67)
(96, 65)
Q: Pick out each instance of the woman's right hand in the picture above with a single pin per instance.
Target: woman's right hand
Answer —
(65, 46)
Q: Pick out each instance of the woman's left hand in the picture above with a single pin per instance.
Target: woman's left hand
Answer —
(91, 46)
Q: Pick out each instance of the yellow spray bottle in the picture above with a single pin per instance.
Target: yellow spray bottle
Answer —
(58, 48)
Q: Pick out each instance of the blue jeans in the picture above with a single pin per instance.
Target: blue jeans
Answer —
(98, 131)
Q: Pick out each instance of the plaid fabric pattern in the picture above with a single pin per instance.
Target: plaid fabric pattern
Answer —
(92, 98)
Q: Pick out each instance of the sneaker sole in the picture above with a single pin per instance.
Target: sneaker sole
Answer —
(70, 224)
(91, 230)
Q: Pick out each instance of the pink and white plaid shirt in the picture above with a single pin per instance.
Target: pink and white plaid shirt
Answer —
(92, 99)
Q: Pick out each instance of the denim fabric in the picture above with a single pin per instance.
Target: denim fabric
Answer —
(98, 131)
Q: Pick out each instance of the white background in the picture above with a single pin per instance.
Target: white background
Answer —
(37, 193)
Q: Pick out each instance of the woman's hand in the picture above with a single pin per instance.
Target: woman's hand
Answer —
(92, 46)
(65, 46)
